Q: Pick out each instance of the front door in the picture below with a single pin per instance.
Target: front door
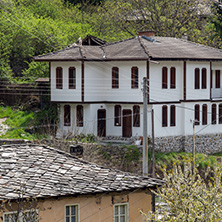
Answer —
(127, 123)
(101, 126)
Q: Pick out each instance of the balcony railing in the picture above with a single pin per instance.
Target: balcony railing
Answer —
(216, 93)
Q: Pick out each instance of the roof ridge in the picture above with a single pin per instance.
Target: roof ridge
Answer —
(143, 46)
(123, 40)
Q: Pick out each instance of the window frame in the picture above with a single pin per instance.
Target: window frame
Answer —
(164, 77)
(217, 79)
(172, 115)
(164, 116)
(204, 78)
(136, 116)
(67, 116)
(197, 114)
(72, 80)
(127, 211)
(78, 211)
(115, 77)
(214, 114)
(134, 77)
(79, 123)
(117, 115)
(173, 78)
(59, 78)
(16, 212)
(197, 78)
(204, 114)
(220, 113)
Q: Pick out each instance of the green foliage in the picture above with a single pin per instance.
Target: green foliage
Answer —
(132, 153)
(89, 138)
(188, 197)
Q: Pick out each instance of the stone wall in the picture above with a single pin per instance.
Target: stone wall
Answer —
(203, 143)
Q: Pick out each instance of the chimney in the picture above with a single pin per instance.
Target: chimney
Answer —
(147, 33)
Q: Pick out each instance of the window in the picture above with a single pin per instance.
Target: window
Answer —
(67, 117)
(204, 114)
(58, 78)
(121, 213)
(115, 77)
(164, 77)
(217, 79)
(117, 114)
(136, 116)
(164, 116)
(204, 78)
(72, 78)
(79, 113)
(214, 114)
(134, 78)
(173, 78)
(172, 115)
(72, 213)
(197, 78)
(25, 216)
(220, 114)
(197, 114)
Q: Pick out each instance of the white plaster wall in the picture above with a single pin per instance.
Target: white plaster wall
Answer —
(191, 92)
(157, 94)
(98, 81)
(65, 94)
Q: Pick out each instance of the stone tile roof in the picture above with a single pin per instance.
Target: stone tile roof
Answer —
(47, 172)
(137, 48)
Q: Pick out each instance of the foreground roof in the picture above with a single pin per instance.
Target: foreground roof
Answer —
(47, 172)
(137, 48)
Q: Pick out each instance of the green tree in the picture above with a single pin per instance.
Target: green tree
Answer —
(189, 197)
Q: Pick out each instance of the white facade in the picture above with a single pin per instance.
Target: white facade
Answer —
(95, 93)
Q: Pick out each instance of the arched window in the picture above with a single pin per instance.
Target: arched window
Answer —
(72, 77)
(197, 78)
(204, 114)
(134, 78)
(79, 115)
(172, 115)
(173, 78)
(214, 114)
(164, 116)
(67, 119)
(117, 114)
(164, 78)
(197, 114)
(115, 77)
(204, 78)
(136, 116)
(59, 78)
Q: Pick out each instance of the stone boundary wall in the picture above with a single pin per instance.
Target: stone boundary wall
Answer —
(209, 143)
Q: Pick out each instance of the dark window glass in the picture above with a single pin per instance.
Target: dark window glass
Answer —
(220, 114)
(117, 113)
(115, 77)
(214, 114)
(197, 78)
(197, 114)
(67, 116)
(172, 77)
(79, 112)
(204, 114)
(164, 116)
(204, 78)
(134, 78)
(217, 83)
(58, 78)
(172, 115)
(136, 116)
(72, 78)
(164, 77)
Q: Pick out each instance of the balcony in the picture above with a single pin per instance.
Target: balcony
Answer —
(216, 93)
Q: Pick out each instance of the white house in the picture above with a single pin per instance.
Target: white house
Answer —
(99, 88)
